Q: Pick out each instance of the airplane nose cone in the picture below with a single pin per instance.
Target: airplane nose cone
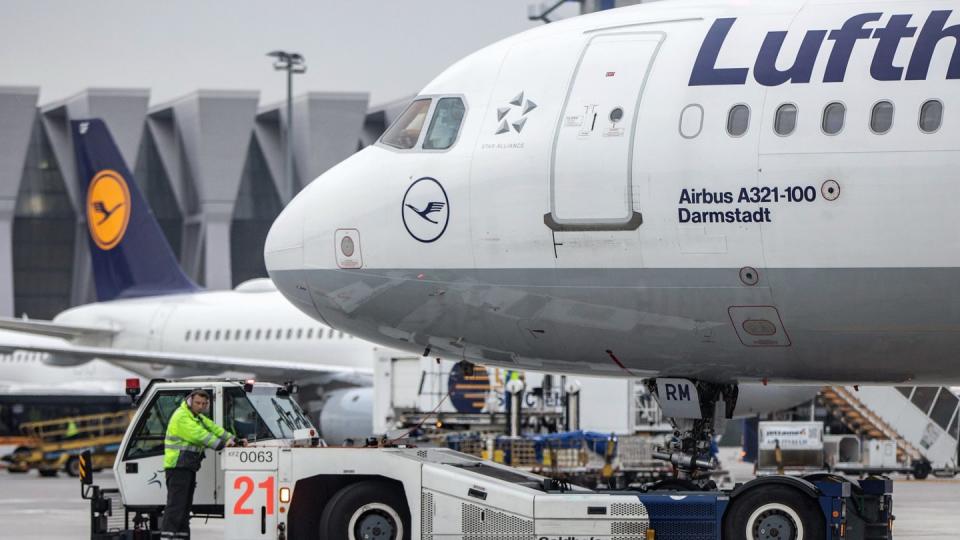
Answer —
(283, 254)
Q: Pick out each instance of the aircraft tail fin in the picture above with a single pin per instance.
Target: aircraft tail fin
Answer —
(130, 255)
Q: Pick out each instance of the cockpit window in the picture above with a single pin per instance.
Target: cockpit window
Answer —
(405, 131)
(445, 124)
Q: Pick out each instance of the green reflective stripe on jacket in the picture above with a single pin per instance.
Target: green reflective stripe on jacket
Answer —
(188, 436)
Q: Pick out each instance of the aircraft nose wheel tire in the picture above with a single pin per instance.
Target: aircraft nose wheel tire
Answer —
(369, 510)
(774, 513)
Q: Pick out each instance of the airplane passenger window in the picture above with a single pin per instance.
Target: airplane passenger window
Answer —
(738, 120)
(206, 336)
(786, 120)
(216, 335)
(226, 335)
(330, 333)
(289, 333)
(246, 336)
(309, 333)
(833, 118)
(445, 124)
(299, 333)
(405, 131)
(257, 336)
(931, 116)
(266, 335)
(187, 337)
(881, 119)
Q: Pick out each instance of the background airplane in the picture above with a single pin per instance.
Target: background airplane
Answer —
(153, 320)
(26, 373)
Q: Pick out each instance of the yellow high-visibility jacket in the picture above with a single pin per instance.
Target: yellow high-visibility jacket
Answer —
(188, 435)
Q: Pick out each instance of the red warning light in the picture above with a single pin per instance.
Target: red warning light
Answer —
(133, 387)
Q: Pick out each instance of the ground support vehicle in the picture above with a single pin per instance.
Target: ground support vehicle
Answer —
(55, 445)
(442, 494)
(287, 486)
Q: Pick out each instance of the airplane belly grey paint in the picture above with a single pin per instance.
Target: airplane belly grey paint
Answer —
(623, 197)
(552, 320)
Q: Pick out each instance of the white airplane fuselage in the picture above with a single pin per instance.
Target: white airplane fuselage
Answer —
(258, 324)
(629, 193)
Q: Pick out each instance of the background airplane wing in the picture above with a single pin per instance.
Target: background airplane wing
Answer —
(67, 354)
(53, 329)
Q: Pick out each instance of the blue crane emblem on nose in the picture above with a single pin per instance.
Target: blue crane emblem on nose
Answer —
(425, 213)
(425, 210)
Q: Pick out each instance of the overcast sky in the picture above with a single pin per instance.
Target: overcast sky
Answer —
(390, 48)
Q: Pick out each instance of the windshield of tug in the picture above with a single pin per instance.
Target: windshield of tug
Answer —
(263, 413)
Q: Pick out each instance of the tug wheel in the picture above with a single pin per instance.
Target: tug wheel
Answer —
(372, 510)
(774, 513)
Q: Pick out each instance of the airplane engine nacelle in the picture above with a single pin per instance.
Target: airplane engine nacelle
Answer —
(347, 414)
(58, 360)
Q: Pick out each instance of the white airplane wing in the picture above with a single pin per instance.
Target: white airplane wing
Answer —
(278, 369)
(53, 329)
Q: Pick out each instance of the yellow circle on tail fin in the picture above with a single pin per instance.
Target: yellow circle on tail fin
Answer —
(108, 208)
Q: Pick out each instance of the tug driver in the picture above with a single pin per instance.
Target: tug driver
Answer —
(189, 434)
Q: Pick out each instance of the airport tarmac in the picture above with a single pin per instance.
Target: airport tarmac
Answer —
(51, 509)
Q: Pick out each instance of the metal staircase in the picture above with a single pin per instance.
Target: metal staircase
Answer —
(923, 420)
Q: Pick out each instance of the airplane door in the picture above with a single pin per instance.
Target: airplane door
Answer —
(591, 170)
(157, 324)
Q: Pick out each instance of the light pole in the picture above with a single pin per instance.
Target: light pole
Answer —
(290, 62)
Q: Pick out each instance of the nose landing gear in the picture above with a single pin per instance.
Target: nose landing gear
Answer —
(696, 410)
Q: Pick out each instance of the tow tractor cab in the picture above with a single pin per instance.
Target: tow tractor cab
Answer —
(263, 413)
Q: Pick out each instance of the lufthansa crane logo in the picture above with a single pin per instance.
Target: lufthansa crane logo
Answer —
(108, 208)
(425, 210)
